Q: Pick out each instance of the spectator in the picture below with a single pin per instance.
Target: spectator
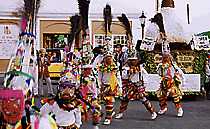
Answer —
(207, 82)
(43, 63)
(54, 57)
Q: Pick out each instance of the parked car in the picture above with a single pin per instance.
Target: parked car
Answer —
(56, 62)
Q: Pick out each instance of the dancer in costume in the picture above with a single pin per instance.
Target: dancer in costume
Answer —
(170, 85)
(89, 93)
(12, 99)
(108, 81)
(43, 63)
(11, 107)
(133, 87)
(65, 107)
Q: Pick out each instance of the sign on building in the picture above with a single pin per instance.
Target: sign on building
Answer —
(8, 40)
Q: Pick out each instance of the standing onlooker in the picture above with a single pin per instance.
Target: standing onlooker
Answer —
(54, 58)
(207, 82)
(118, 61)
(43, 63)
(98, 56)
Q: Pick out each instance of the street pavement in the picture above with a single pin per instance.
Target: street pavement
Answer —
(196, 116)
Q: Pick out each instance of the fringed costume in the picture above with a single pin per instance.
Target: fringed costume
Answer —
(65, 107)
(133, 87)
(89, 93)
(108, 81)
(169, 86)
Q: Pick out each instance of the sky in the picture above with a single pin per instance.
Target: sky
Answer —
(199, 9)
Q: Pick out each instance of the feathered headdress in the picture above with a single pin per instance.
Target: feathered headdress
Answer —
(75, 28)
(31, 7)
(83, 10)
(28, 8)
(107, 18)
(158, 19)
(28, 11)
(38, 3)
(167, 3)
(188, 13)
(127, 26)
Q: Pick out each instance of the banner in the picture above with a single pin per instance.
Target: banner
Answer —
(191, 83)
(8, 40)
(148, 44)
(200, 43)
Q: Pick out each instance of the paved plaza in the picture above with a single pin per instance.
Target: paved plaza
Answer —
(196, 116)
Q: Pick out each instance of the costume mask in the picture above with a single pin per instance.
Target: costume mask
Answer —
(133, 62)
(108, 60)
(87, 71)
(12, 105)
(67, 90)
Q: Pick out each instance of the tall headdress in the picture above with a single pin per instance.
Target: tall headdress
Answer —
(126, 25)
(188, 13)
(124, 20)
(29, 12)
(167, 3)
(86, 46)
(83, 10)
(108, 48)
(107, 19)
(75, 29)
(158, 19)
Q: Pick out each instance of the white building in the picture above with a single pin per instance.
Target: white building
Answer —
(53, 18)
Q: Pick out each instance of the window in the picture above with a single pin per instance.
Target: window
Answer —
(120, 39)
(116, 39)
(55, 40)
(99, 39)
